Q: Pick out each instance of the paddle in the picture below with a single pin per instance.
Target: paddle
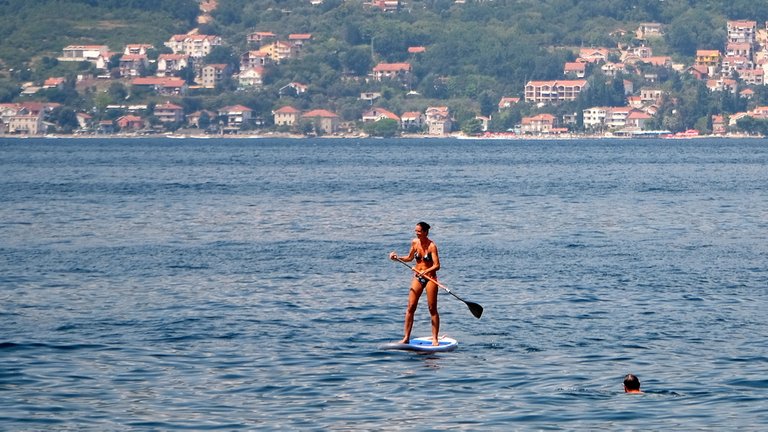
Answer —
(475, 308)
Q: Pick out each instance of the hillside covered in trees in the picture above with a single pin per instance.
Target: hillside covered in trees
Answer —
(475, 52)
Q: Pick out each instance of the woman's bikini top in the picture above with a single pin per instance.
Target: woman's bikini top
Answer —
(427, 257)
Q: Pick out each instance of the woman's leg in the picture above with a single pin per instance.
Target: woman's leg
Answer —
(410, 311)
(432, 304)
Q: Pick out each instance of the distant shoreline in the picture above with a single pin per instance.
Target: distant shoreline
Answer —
(499, 137)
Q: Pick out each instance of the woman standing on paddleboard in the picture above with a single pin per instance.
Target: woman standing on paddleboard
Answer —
(424, 251)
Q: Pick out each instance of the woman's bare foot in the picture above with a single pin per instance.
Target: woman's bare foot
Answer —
(405, 341)
(435, 342)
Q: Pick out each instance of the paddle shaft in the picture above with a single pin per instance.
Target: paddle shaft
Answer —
(475, 308)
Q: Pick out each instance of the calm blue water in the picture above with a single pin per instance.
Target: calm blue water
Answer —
(165, 284)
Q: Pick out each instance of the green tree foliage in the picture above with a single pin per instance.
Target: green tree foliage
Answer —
(222, 54)
(753, 126)
(8, 90)
(31, 27)
(386, 128)
(65, 118)
(602, 92)
(472, 127)
(357, 60)
(695, 29)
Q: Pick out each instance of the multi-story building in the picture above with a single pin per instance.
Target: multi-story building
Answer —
(213, 74)
(741, 31)
(438, 120)
(195, 45)
(554, 91)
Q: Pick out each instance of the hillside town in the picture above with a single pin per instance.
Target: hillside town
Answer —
(737, 68)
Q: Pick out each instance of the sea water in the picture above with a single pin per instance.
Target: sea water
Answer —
(224, 284)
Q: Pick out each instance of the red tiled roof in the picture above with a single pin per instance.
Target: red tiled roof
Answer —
(168, 106)
(235, 108)
(554, 83)
(392, 67)
(286, 110)
(411, 115)
(319, 113)
(159, 81)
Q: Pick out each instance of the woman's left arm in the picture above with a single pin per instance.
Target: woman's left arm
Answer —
(435, 259)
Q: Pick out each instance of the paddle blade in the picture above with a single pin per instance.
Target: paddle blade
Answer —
(475, 308)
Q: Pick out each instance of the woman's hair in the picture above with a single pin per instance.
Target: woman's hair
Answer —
(424, 226)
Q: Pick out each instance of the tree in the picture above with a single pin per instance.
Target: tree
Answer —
(8, 90)
(386, 128)
(117, 91)
(221, 54)
(65, 118)
(753, 126)
(472, 127)
(358, 60)
(204, 121)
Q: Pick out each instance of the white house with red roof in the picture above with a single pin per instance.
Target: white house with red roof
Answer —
(507, 102)
(299, 39)
(376, 114)
(399, 71)
(196, 45)
(538, 124)
(637, 119)
(162, 85)
(54, 82)
(615, 118)
(723, 84)
(252, 77)
(738, 49)
(575, 69)
(172, 64)
(385, 5)
(236, 115)
(260, 37)
(412, 120)
(741, 31)
(594, 55)
(753, 76)
(554, 91)
(438, 120)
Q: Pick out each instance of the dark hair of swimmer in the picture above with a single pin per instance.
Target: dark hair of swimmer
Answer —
(631, 383)
(424, 227)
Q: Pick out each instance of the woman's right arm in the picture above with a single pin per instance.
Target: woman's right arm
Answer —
(409, 258)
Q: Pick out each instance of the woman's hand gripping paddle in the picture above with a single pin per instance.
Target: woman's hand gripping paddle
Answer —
(475, 308)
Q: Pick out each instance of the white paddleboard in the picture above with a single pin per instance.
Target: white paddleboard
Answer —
(424, 344)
